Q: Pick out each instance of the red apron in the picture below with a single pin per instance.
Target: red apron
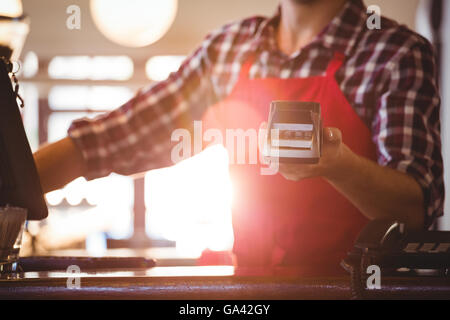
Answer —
(307, 224)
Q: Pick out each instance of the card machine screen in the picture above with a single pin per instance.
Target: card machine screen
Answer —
(294, 132)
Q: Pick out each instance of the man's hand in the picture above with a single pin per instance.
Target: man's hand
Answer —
(334, 154)
(58, 163)
(378, 192)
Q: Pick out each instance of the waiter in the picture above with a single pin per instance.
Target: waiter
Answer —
(382, 150)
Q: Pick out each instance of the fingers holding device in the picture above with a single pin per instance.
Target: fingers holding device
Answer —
(298, 143)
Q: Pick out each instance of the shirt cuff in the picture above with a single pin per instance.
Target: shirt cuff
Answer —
(432, 188)
(83, 134)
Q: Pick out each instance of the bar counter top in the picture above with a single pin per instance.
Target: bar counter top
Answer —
(205, 282)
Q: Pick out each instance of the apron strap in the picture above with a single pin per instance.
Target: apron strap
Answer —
(246, 66)
(335, 64)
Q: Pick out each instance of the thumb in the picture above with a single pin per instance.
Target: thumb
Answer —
(332, 136)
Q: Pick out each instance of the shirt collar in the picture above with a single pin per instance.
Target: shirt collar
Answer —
(340, 35)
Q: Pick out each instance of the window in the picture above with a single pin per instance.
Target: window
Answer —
(91, 68)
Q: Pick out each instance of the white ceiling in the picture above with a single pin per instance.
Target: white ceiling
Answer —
(195, 18)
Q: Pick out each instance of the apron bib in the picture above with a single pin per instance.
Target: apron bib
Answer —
(307, 224)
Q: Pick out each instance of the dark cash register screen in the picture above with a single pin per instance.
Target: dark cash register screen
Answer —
(19, 181)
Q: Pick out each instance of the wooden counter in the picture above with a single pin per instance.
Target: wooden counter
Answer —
(216, 282)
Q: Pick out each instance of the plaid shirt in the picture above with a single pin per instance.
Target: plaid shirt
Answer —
(388, 78)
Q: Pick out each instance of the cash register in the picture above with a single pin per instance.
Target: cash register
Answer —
(398, 253)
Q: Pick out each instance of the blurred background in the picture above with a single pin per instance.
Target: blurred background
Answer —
(81, 67)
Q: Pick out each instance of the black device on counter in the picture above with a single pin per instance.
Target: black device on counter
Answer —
(48, 263)
(398, 253)
(294, 132)
(19, 180)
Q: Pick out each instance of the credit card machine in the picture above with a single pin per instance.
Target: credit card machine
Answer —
(398, 253)
(294, 132)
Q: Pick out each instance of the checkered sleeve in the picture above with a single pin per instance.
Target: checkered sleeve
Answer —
(407, 126)
(137, 136)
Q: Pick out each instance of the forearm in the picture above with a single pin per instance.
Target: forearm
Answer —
(58, 164)
(379, 192)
